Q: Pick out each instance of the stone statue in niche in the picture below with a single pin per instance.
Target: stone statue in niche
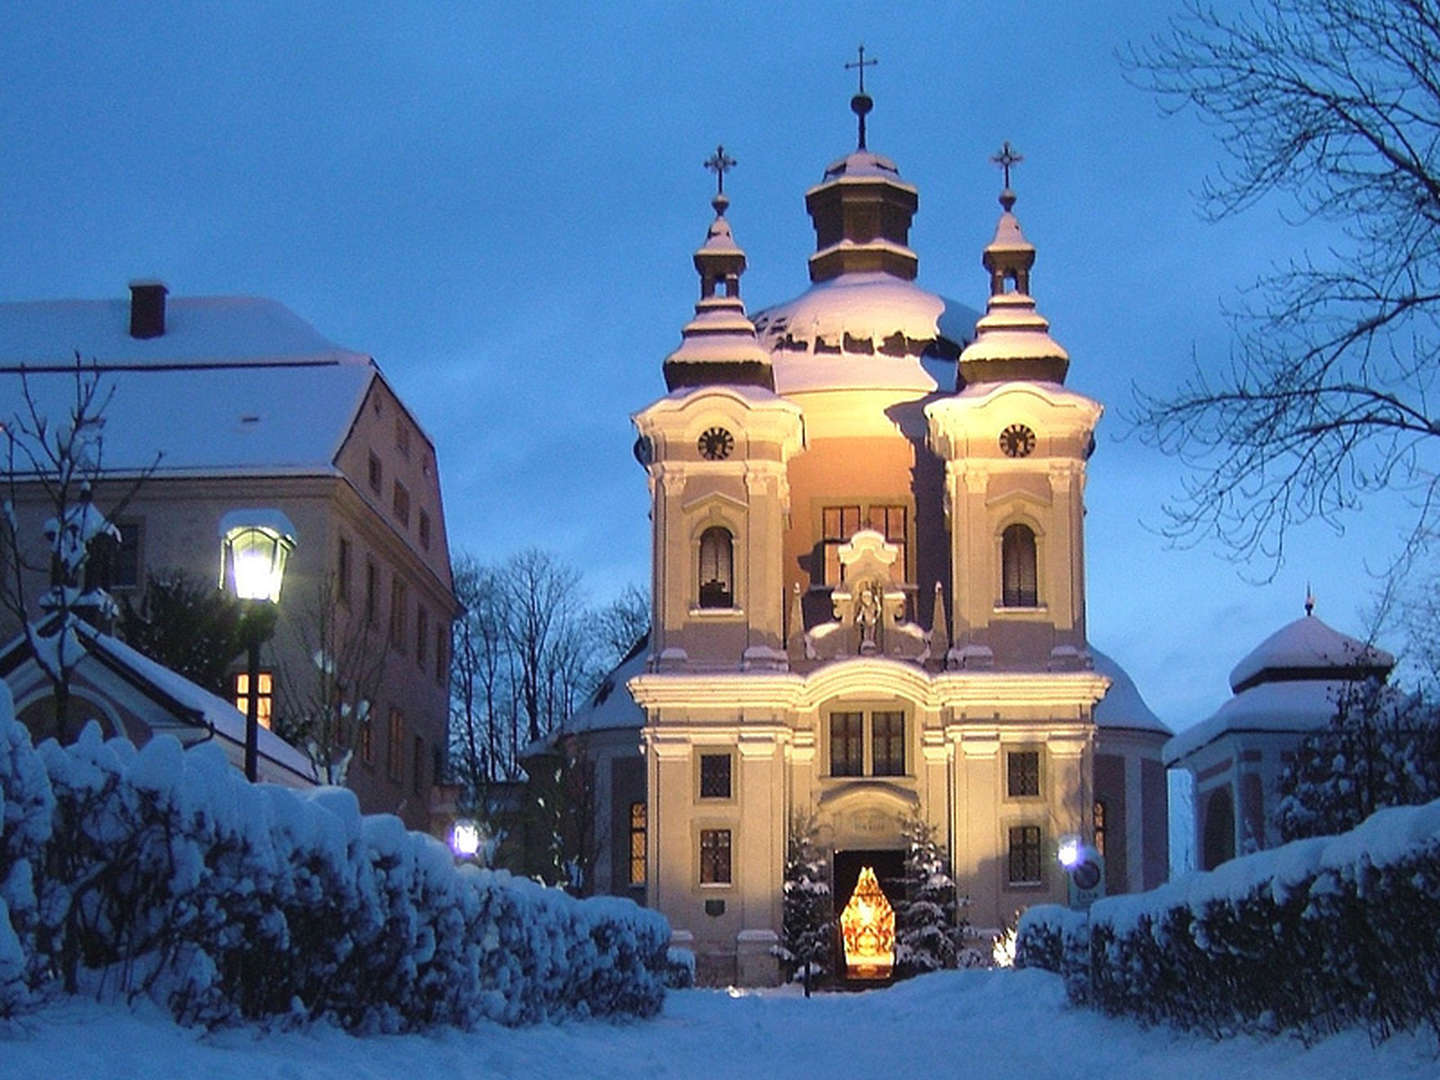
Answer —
(869, 606)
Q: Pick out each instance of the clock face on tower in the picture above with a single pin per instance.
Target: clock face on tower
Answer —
(1017, 440)
(715, 444)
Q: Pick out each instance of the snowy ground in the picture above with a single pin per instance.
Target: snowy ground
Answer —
(971, 1024)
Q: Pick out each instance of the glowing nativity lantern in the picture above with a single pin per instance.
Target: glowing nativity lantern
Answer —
(867, 926)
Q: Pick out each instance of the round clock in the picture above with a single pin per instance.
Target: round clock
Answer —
(715, 444)
(1017, 440)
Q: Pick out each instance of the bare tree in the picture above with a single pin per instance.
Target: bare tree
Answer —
(1334, 106)
(621, 623)
(542, 597)
(61, 458)
(479, 687)
(324, 702)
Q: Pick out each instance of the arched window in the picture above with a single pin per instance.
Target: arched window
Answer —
(1219, 842)
(717, 568)
(1017, 554)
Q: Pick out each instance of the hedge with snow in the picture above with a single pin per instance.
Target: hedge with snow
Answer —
(162, 872)
(1312, 937)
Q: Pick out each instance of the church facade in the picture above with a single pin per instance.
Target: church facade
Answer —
(868, 596)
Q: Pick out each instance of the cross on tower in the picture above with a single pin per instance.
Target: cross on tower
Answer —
(862, 64)
(1006, 158)
(719, 163)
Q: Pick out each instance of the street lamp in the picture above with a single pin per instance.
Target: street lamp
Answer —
(254, 546)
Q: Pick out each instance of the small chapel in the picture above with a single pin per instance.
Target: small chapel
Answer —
(868, 584)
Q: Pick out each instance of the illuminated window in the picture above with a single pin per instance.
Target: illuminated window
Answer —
(847, 744)
(838, 524)
(375, 473)
(342, 572)
(397, 612)
(263, 703)
(1025, 855)
(637, 843)
(714, 856)
(717, 568)
(401, 504)
(1022, 774)
(1098, 812)
(395, 747)
(715, 776)
(1017, 551)
(422, 633)
(887, 743)
(424, 530)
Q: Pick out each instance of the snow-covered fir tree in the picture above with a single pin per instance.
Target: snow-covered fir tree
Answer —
(1381, 748)
(808, 929)
(929, 931)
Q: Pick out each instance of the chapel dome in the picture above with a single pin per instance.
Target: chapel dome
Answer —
(1308, 649)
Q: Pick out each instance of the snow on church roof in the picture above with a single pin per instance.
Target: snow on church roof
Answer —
(233, 385)
(1307, 645)
(1122, 706)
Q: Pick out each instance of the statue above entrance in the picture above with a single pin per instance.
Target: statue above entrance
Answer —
(869, 606)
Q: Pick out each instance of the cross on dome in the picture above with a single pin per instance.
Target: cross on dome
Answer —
(719, 163)
(1006, 158)
(861, 103)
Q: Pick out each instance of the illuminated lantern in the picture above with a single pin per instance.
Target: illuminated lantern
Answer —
(867, 926)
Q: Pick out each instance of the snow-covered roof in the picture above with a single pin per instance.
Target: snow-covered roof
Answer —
(235, 384)
(885, 332)
(1122, 706)
(864, 165)
(1295, 706)
(1308, 648)
(611, 706)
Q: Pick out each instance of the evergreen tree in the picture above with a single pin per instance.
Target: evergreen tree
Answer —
(189, 626)
(1381, 748)
(929, 932)
(809, 919)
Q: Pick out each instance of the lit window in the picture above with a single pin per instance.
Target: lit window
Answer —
(838, 524)
(887, 743)
(717, 566)
(715, 776)
(847, 744)
(1022, 774)
(1098, 812)
(395, 747)
(1025, 855)
(1018, 558)
(263, 703)
(714, 856)
(637, 843)
(401, 504)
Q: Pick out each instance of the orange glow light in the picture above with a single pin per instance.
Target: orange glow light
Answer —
(867, 926)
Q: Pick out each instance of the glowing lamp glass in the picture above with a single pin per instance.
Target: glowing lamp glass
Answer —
(254, 562)
(465, 839)
(1070, 853)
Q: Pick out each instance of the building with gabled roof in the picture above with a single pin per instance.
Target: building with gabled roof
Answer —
(234, 403)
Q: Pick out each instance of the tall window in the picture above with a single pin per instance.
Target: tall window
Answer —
(372, 593)
(422, 633)
(1025, 855)
(715, 776)
(441, 670)
(395, 747)
(837, 525)
(847, 744)
(1098, 813)
(342, 572)
(1022, 774)
(397, 612)
(714, 856)
(889, 522)
(1017, 553)
(367, 736)
(717, 568)
(375, 473)
(401, 504)
(264, 703)
(402, 436)
(424, 530)
(417, 766)
(637, 843)
(887, 743)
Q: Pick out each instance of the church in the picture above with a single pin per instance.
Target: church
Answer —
(868, 584)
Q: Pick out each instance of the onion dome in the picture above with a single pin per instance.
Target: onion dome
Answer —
(719, 344)
(1012, 339)
(1308, 649)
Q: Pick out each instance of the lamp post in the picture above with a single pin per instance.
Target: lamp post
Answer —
(254, 546)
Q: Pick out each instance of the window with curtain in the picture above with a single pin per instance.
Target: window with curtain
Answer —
(717, 568)
(1018, 558)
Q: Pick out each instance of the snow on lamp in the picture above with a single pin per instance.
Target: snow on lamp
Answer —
(867, 928)
(254, 547)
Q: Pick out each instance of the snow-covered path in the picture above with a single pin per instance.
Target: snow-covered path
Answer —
(976, 1025)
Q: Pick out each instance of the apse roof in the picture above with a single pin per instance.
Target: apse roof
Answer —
(1122, 706)
(1307, 648)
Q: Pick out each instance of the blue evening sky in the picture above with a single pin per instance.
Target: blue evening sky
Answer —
(499, 202)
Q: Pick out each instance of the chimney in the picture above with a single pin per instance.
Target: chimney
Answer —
(147, 309)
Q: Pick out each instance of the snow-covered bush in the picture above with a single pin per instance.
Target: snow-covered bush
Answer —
(168, 875)
(1314, 936)
(26, 805)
